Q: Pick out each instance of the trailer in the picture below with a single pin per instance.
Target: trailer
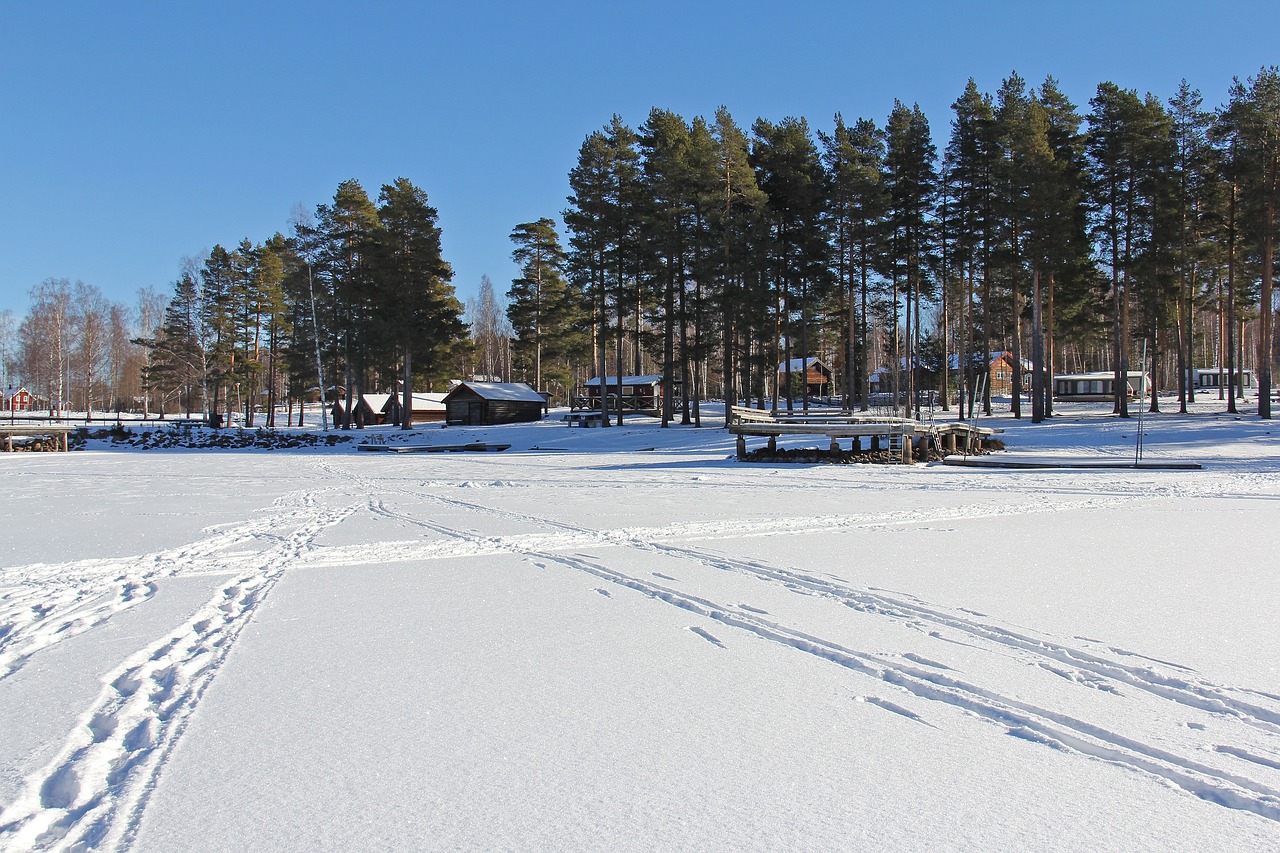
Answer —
(1096, 387)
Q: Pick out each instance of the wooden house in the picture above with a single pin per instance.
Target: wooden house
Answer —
(999, 372)
(18, 400)
(815, 375)
(485, 403)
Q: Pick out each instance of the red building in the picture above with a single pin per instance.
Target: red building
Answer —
(17, 400)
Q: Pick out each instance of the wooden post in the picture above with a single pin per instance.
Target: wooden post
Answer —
(773, 444)
(835, 445)
(949, 442)
(742, 446)
(906, 449)
(875, 443)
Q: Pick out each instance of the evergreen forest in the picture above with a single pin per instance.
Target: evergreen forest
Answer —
(1123, 234)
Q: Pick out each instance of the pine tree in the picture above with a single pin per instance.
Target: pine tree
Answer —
(854, 159)
(537, 303)
(789, 171)
(735, 224)
(1253, 119)
(1113, 150)
(1066, 242)
(667, 236)
(415, 308)
(911, 182)
(1194, 173)
(970, 167)
(345, 232)
(604, 251)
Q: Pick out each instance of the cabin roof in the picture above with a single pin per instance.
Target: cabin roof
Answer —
(377, 402)
(1097, 374)
(509, 391)
(798, 364)
(627, 380)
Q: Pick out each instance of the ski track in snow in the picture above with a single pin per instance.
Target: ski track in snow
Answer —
(94, 793)
(1251, 715)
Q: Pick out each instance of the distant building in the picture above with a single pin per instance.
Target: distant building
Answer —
(816, 375)
(640, 395)
(999, 372)
(485, 403)
(17, 400)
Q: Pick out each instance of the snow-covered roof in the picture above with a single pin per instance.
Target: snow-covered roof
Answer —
(1096, 374)
(516, 391)
(428, 400)
(377, 402)
(627, 380)
(798, 364)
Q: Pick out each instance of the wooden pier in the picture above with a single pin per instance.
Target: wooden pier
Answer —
(57, 432)
(904, 435)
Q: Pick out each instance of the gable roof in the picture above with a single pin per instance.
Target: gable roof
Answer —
(799, 364)
(509, 391)
(627, 380)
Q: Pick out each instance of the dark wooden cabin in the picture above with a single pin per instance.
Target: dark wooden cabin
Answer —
(486, 403)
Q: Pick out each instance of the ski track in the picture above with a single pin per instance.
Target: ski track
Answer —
(94, 793)
(1250, 714)
(1017, 717)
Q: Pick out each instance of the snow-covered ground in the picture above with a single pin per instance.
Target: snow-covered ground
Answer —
(624, 639)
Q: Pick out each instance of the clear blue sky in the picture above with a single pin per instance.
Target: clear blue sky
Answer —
(134, 134)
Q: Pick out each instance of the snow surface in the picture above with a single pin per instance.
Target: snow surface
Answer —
(624, 639)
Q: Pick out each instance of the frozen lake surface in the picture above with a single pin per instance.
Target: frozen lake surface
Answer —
(624, 639)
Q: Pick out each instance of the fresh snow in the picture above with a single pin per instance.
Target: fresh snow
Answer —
(624, 639)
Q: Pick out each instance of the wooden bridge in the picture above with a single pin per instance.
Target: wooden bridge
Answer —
(905, 435)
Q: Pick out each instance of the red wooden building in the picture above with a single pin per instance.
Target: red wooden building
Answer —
(17, 400)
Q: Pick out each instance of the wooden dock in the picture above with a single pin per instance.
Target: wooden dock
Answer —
(904, 435)
(58, 432)
(475, 447)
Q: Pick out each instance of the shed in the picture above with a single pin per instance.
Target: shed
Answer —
(428, 407)
(485, 403)
(372, 409)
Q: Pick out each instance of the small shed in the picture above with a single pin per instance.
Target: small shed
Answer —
(486, 403)
(372, 409)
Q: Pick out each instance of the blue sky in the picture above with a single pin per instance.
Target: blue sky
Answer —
(134, 134)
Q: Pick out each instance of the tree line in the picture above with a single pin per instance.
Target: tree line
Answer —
(1066, 239)
(356, 299)
(712, 255)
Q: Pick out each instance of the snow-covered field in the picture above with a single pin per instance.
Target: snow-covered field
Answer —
(626, 640)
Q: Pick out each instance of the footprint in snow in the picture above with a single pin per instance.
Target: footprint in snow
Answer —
(604, 592)
(664, 577)
(707, 635)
